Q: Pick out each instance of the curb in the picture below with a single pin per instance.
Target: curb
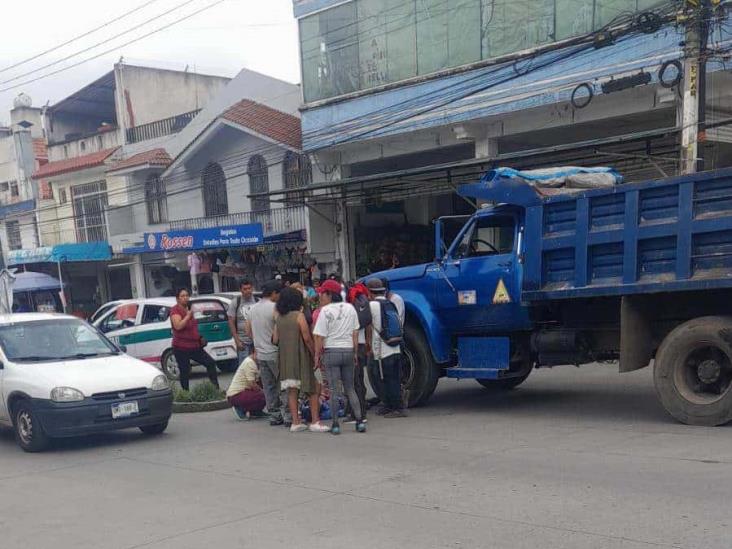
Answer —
(191, 407)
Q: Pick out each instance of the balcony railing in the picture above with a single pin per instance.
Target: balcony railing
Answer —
(160, 128)
(276, 221)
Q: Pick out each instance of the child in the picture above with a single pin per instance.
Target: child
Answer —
(245, 394)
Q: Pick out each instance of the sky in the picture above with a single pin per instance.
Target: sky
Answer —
(256, 34)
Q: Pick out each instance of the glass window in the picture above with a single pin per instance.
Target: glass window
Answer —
(156, 199)
(12, 228)
(123, 316)
(52, 340)
(258, 182)
(489, 235)
(366, 43)
(155, 313)
(90, 204)
(215, 199)
(207, 311)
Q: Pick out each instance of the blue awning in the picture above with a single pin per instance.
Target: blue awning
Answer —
(33, 282)
(82, 251)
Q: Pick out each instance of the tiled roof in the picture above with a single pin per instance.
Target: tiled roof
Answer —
(73, 164)
(40, 149)
(154, 157)
(277, 125)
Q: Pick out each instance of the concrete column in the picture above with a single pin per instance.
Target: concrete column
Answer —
(216, 282)
(137, 278)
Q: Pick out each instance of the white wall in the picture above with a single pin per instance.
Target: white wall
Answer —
(155, 94)
(82, 147)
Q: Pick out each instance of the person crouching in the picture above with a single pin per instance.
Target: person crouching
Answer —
(245, 393)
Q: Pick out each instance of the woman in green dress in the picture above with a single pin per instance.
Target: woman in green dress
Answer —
(296, 365)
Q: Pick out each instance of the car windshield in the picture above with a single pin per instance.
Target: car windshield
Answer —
(57, 339)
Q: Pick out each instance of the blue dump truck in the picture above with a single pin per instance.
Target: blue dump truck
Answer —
(639, 273)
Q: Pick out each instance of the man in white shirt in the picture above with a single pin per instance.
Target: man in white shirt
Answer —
(387, 358)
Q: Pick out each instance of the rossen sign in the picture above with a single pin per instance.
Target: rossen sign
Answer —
(232, 236)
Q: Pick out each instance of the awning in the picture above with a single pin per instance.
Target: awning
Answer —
(33, 282)
(18, 207)
(82, 251)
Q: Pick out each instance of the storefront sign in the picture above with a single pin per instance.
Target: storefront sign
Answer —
(201, 239)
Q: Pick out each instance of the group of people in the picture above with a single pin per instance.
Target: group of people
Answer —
(290, 352)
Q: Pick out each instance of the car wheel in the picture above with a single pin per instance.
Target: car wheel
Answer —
(29, 432)
(156, 429)
(170, 366)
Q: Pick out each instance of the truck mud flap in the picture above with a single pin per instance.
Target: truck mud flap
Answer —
(636, 337)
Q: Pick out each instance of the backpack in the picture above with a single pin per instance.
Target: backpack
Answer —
(363, 310)
(391, 325)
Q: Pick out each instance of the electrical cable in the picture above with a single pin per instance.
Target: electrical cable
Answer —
(79, 37)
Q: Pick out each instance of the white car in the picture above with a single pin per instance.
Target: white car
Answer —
(59, 377)
(143, 327)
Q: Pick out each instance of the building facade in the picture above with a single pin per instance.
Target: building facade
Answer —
(404, 100)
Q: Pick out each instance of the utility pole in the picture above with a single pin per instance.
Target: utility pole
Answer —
(693, 103)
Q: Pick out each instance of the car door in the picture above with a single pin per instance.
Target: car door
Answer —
(4, 415)
(154, 333)
(480, 289)
(213, 322)
(120, 325)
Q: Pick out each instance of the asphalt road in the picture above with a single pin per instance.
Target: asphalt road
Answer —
(573, 459)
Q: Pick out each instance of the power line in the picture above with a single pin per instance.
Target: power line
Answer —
(100, 43)
(79, 37)
(96, 56)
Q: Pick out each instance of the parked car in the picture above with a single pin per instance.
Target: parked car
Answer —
(143, 327)
(59, 377)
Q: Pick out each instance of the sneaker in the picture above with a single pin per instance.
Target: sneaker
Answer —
(395, 413)
(361, 427)
(239, 414)
(276, 421)
(335, 429)
(299, 428)
(318, 428)
(382, 410)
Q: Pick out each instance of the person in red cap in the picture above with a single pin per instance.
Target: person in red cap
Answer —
(336, 333)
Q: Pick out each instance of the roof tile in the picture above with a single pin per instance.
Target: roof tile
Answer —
(277, 125)
(74, 164)
(154, 157)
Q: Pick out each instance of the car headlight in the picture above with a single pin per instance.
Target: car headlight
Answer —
(66, 394)
(160, 383)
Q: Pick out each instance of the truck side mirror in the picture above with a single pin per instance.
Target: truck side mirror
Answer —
(439, 243)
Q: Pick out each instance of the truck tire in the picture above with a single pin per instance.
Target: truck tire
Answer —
(693, 371)
(419, 371)
(521, 365)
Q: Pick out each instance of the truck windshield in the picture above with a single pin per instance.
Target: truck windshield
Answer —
(56, 339)
(488, 235)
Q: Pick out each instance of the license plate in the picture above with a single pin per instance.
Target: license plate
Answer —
(125, 409)
(220, 352)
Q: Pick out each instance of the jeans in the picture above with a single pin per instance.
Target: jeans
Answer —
(391, 368)
(340, 368)
(183, 358)
(275, 398)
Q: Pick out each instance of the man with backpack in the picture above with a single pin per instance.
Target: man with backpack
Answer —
(386, 340)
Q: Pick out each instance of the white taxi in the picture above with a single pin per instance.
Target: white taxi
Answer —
(143, 327)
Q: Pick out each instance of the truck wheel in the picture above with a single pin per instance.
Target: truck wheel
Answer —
(29, 432)
(170, 365)
(419, 372)
(693, 371)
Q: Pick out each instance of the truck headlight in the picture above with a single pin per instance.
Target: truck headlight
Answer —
(66, 394)
(160, 383)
